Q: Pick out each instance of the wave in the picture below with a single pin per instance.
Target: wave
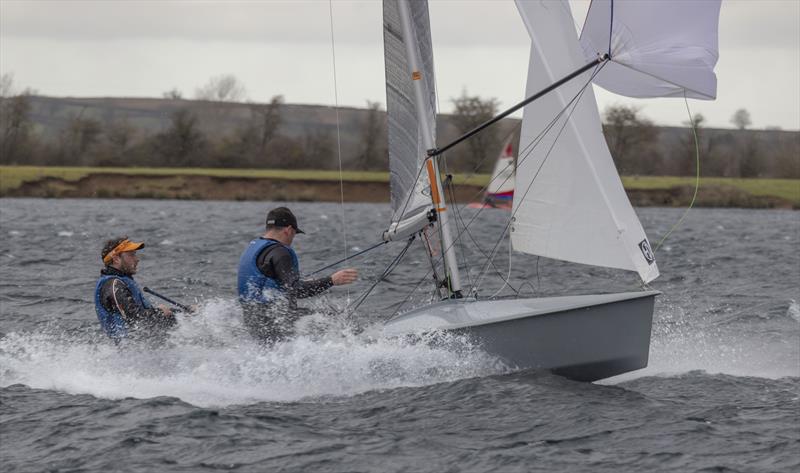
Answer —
(759, 345)
(211, 361)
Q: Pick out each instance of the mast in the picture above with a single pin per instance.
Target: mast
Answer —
(432, 166)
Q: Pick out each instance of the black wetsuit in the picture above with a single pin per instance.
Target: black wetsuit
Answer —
(142, 322)
(275, 321)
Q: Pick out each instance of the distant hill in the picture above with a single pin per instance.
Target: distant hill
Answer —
(217, 119)
(777, 150)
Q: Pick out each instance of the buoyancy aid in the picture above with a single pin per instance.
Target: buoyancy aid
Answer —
(255, 286)
(111, 321)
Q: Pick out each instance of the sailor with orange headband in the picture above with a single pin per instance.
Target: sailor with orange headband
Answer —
(121, 307)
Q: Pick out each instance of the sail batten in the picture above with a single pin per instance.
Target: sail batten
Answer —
(569, 202)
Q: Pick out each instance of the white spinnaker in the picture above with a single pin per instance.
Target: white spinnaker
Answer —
(658, 48)
(569, 203)
(410, 190)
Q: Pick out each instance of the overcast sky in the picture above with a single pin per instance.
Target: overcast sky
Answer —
(146, 47)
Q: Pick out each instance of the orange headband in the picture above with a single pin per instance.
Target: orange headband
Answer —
(124, 245)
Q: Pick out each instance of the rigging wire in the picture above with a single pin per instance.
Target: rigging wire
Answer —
(528, 151)
(466, 230)
(697, 176)
(338, 134)
(460, 218)
(345, 259)
(522, 156)
(474, 171)
(449, 188)
(573, 103)
(525, 153)
(508, 276)
(426, 241)
(391, 267)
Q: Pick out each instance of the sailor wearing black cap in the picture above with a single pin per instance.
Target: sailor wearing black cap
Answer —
(269, 279)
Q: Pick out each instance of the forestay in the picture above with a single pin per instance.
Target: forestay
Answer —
(576, 210)
(410, 191)
(658, 48)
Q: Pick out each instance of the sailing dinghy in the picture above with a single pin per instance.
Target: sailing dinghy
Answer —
(569, 203)
(500, 190)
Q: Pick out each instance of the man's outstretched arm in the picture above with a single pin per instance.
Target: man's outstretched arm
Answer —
(296, 287)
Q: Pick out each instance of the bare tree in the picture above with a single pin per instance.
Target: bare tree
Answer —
(318, 151)
(631, 139)
(468, 113)
(15, 122)
(749, 161)
(284, 151)
(267, 119)
(182, 143)
(707, 144)
(787, 156)
(115, 147)
(173, 94)
(222, 88)
(247, 146)
(741, 119)
(6, 85)
(747, 149)
(80, 134)
(373, 133)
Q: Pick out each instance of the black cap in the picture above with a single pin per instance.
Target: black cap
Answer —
(282, 217)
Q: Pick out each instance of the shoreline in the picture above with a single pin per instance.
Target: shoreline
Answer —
(241, 188)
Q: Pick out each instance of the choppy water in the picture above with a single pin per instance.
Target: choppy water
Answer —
(721, 392)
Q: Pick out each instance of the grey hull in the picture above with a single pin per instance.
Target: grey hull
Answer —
(584, 338)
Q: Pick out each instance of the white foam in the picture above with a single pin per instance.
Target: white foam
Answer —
(210, 361)
(680, 344)
(65, 233)
(794, 310)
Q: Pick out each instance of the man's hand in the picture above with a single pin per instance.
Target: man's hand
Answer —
(165, 310)
(345, 276)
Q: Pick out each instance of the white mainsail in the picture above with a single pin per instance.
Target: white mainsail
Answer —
(658, 48)
(410, 188)
(569, 203)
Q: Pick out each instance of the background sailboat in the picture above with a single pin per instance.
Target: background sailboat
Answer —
(500, 190)
(569, 203)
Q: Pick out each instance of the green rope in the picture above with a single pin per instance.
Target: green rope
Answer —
(697, 177)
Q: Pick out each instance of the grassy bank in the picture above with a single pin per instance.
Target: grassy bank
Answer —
(787, 189)
(12, 177)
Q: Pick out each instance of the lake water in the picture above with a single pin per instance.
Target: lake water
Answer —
(721, 393)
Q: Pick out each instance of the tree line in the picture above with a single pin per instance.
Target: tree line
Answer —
(260, 138)
(637, 149)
